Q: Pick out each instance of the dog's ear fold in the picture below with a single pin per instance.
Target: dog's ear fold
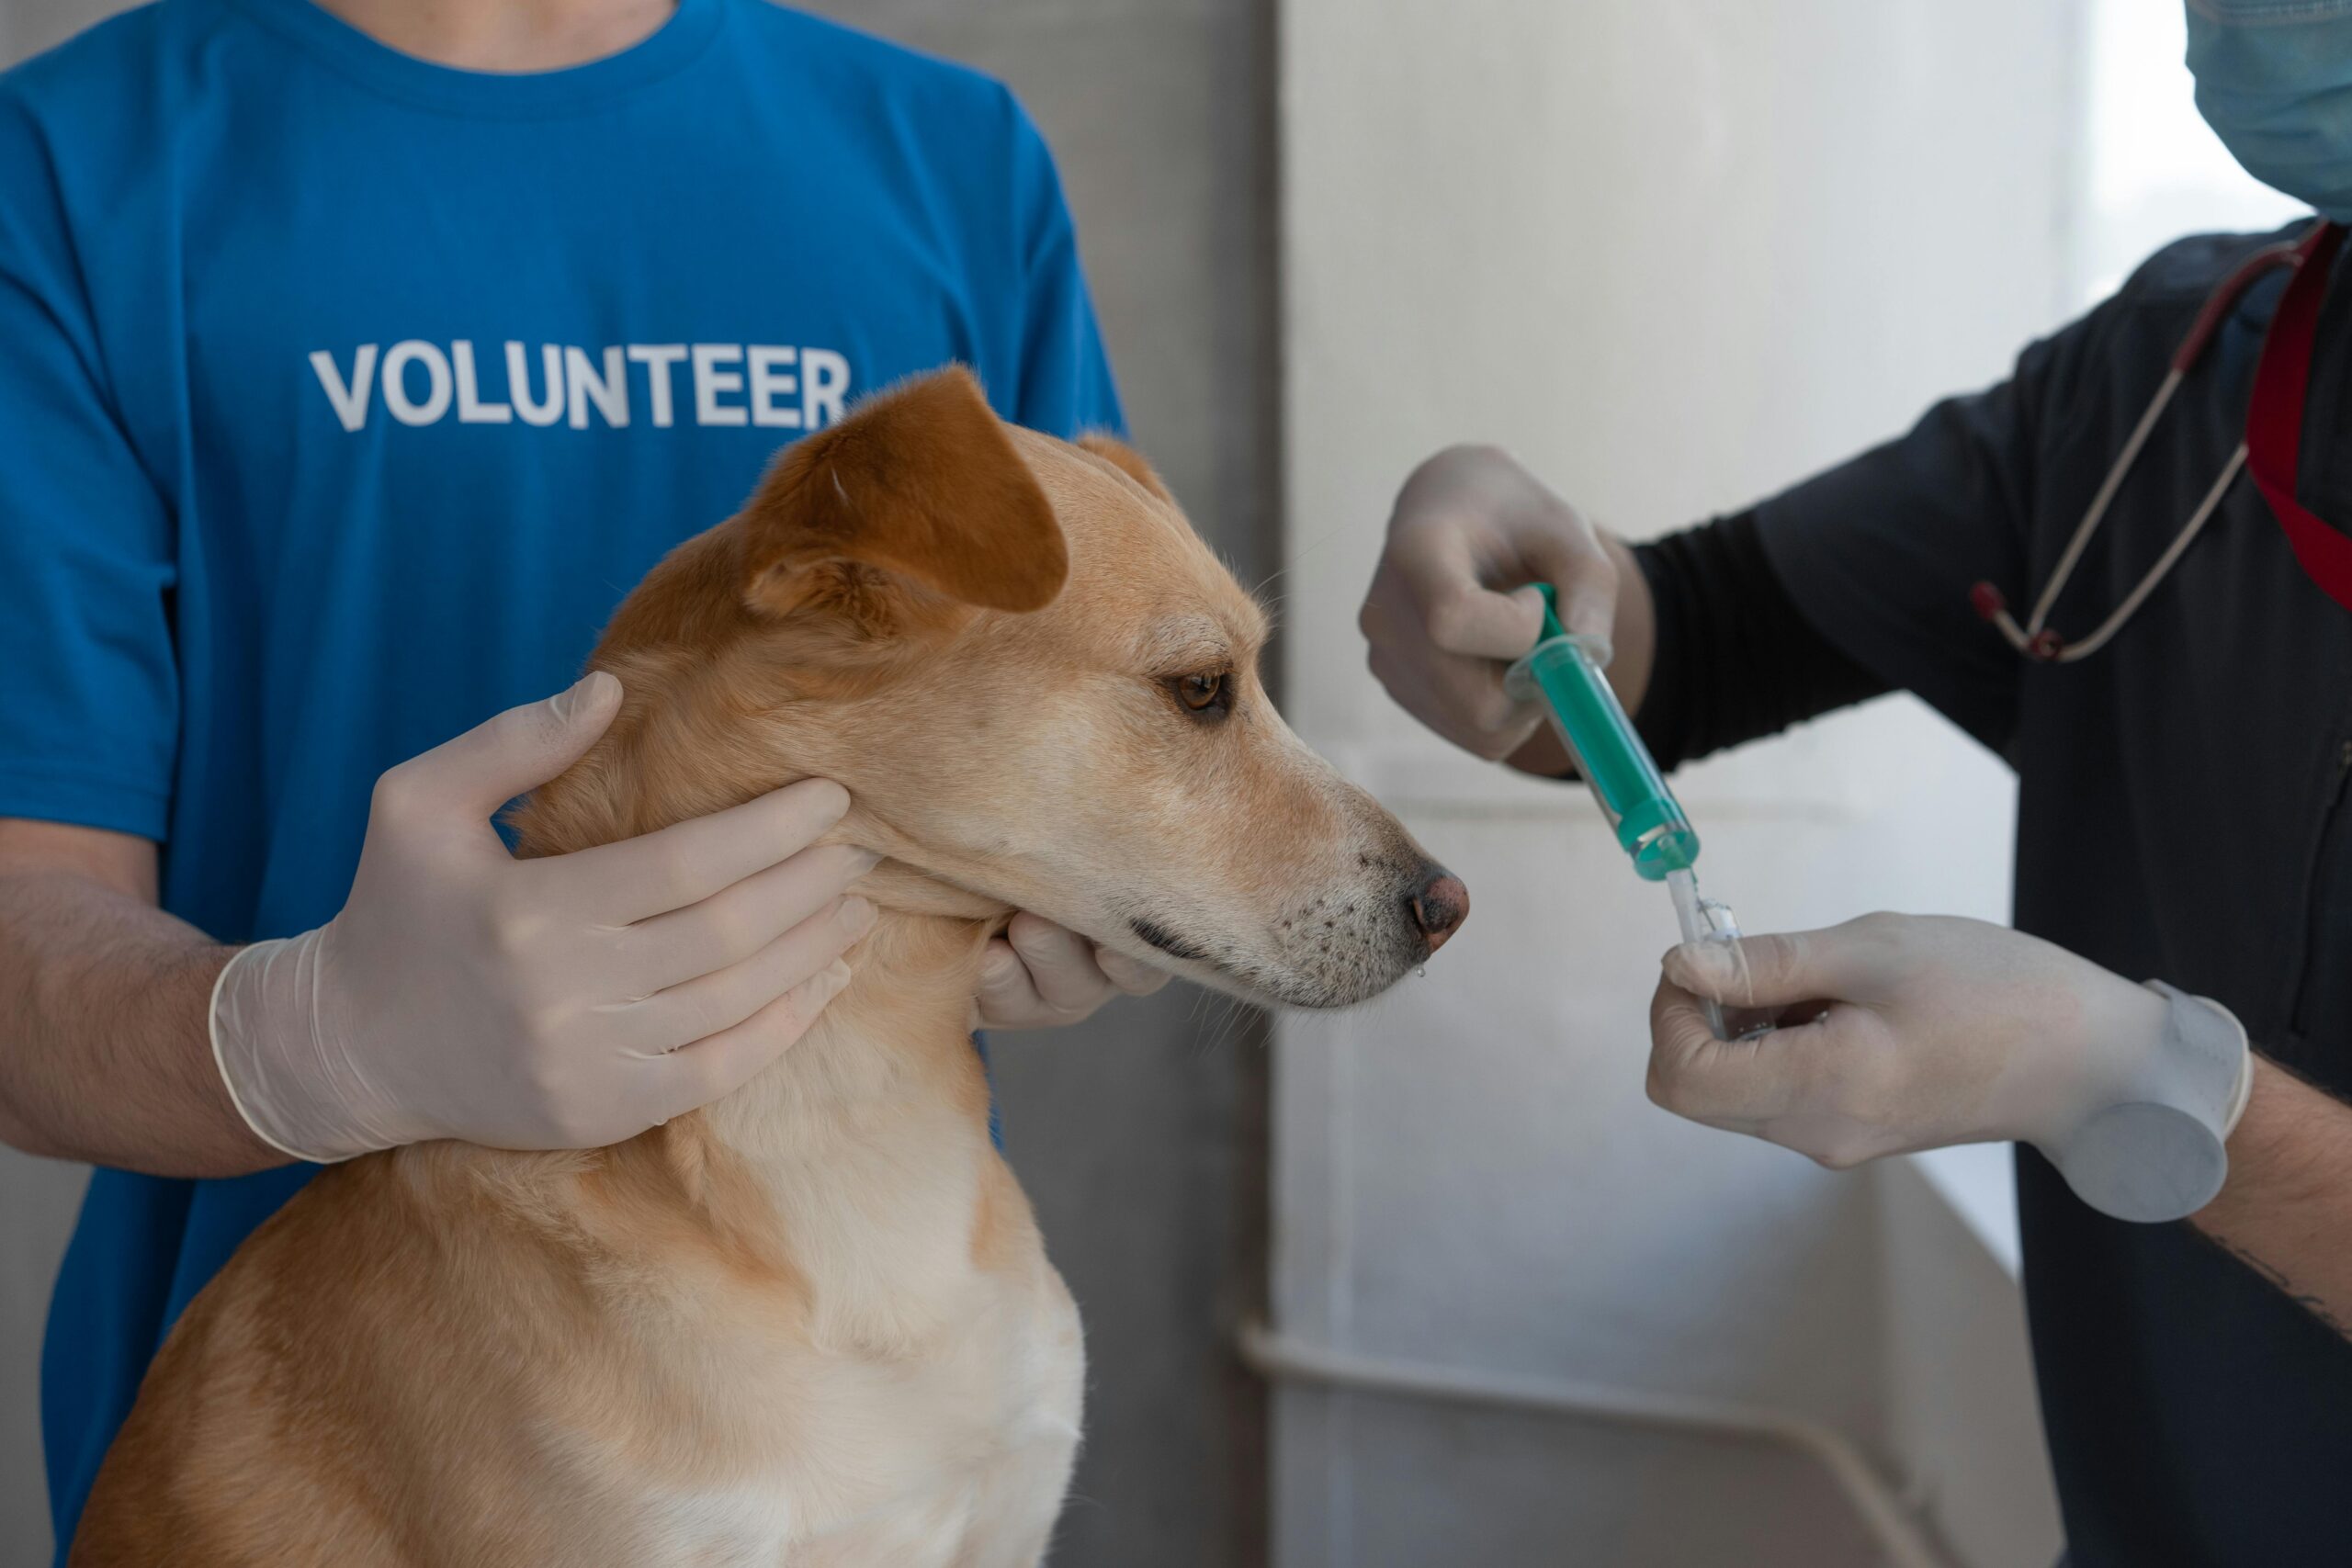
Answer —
(1127, 460)
(914, 509)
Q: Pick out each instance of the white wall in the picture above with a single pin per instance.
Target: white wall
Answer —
(1674, 256)
(2153, 169)
(1963, 1425)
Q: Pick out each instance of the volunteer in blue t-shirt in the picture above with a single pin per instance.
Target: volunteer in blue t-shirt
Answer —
(359, 356)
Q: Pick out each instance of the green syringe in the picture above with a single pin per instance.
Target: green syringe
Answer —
(1566, 670)
(1591, 723)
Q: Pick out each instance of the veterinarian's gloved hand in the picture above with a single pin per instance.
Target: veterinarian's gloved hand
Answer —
(1927, 1030)
(1038, 975)
(1440, 635)
(563, 1002)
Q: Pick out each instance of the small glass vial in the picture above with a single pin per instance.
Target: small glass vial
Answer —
(1710, 919)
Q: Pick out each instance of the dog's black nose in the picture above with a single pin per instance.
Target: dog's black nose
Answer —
(1440, 905)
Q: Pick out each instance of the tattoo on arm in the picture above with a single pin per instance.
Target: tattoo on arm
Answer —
(2286, 1210)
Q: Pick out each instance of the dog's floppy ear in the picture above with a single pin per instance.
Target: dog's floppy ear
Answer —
(915, 506)
(1127, 460)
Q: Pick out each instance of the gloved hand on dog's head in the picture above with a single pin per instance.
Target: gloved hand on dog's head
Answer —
(568, 1001)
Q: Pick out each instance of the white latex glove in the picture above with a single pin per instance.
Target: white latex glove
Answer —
(1038, 975)
(1927, 1030)
(563, 1002)
(1439, 633)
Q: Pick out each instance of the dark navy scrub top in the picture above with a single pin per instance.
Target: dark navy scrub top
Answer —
(2182, 815)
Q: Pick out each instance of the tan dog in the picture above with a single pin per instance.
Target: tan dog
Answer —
(812, 1324)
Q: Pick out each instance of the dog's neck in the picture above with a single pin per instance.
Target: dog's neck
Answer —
(868, 1137)
(853, 1162)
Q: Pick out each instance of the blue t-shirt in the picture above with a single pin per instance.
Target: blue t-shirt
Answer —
(342, 396)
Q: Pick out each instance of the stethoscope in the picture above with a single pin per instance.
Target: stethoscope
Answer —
(2273, 427)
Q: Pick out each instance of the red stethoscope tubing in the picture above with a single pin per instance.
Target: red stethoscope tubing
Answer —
(2274, 419)
(2270, 451)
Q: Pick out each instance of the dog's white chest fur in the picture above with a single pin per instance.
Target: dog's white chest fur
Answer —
(957, 1458)
(925, 1409)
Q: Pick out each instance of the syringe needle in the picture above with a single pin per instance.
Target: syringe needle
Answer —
(1691, 915)
(1566, 671)
(1710, 919)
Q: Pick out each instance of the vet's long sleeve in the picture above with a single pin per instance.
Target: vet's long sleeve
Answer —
(1735, 660)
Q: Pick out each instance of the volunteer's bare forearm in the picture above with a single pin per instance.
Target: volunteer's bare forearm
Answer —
(2287, 1209)
(103, 1051)
(1634, 647)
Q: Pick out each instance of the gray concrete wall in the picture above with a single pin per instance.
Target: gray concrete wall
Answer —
(38, 1201)
(1139, 1135)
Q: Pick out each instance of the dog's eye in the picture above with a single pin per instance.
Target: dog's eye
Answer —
(1201, 690)
(1204, 695)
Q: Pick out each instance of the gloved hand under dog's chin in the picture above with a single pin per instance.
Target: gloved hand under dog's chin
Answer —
(1039, 974)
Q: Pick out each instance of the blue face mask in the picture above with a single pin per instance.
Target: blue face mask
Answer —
(2274, 80)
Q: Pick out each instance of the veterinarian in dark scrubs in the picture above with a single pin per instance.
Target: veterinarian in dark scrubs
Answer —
(2185, 809)
(344, 391)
